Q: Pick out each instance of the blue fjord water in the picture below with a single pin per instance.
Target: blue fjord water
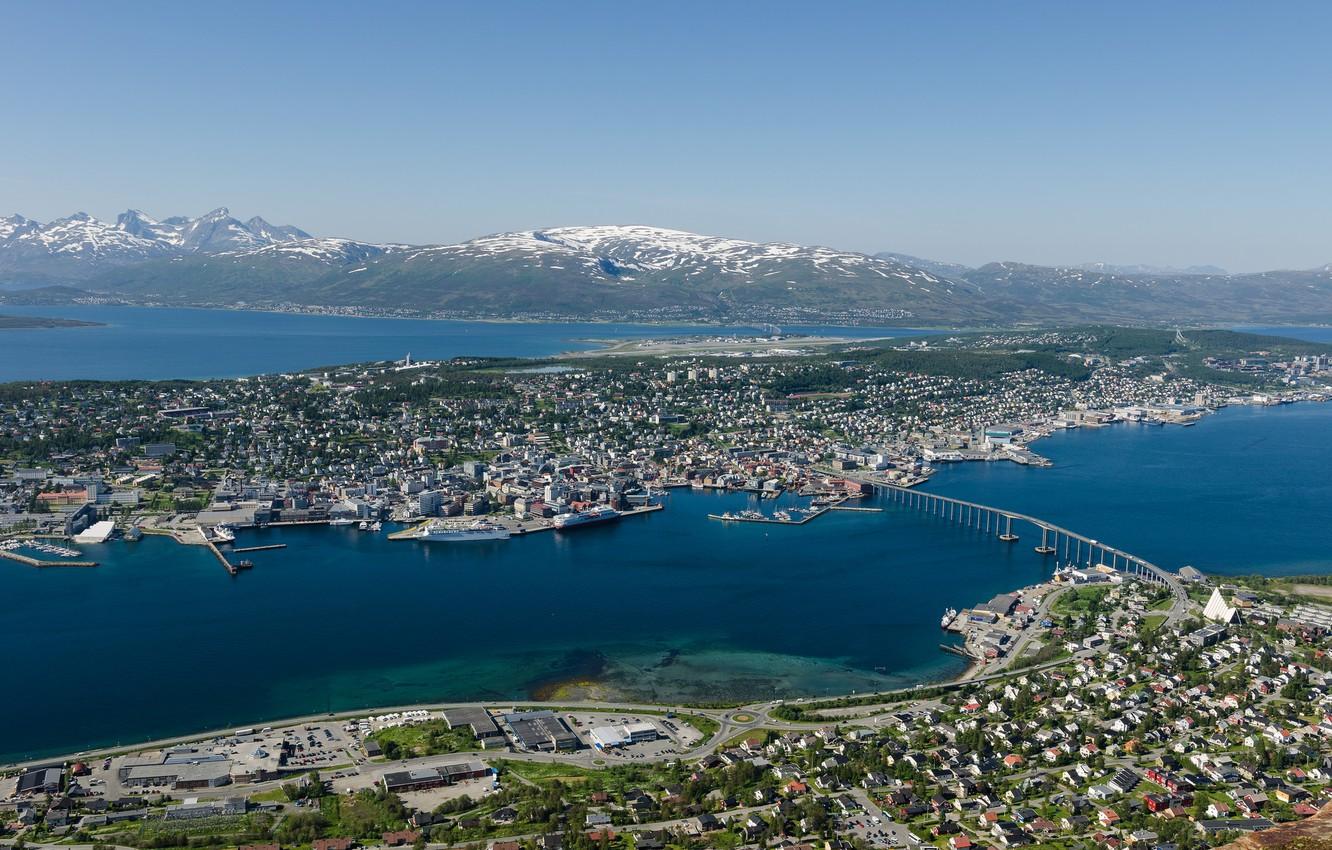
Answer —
(165, 342)
(159, 640)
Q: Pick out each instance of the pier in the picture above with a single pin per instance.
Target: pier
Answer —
(767, 519)
(258, 548)
(517, 527)
(38, 562)
(1069, 547)
(222, 559)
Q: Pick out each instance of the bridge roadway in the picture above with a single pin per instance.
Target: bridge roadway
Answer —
(988, 518)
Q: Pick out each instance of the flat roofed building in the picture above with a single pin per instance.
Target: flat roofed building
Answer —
(1208, 635)
(399, 781)
(211, 774)
(541, 730)
(641, 731)
(476, 718)
(98, 532)
(607, 737)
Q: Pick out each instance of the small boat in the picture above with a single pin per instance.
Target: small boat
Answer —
(363, 526)
(376, 526)
(342, 520)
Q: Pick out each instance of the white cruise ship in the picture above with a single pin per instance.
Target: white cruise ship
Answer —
(442, 532)
(223, 534)
(600, 514)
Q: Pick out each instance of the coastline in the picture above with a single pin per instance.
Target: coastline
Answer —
(428, 316)
(570, 689)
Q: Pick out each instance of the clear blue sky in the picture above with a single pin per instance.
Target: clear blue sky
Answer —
(1155, 132)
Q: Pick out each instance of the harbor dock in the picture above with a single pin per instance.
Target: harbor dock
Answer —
(222, 559)
(837, 504)
(236, 550)
(519, 527)
(767, 519)
(38, 562)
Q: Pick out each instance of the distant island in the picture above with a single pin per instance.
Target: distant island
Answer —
(11, 323)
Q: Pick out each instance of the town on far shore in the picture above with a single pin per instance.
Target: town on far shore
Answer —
(503, 447)
(1108, 706)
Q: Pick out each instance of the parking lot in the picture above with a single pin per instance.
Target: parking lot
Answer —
(311, 746)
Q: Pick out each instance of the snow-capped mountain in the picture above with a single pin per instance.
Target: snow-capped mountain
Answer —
(12, 225)
(79, 246)
(625, 253)
(596, 270)
(613, 270)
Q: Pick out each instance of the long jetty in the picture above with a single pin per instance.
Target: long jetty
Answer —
(38, 562)
(263, 548)
(212, 547)
(1076, 549)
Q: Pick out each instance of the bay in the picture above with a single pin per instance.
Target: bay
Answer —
(669, 606)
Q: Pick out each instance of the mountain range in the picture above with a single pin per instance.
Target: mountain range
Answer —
(612, 271)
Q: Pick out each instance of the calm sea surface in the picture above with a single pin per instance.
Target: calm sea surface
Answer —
(159, 640)
(168, 342)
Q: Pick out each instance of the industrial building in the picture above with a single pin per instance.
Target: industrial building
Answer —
(400, 781)
(608, 737)
(540, 730)
(40, 780)
(204, 774)
(483, 726)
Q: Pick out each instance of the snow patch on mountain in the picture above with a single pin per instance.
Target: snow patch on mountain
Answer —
(616, 251)
(81, 241)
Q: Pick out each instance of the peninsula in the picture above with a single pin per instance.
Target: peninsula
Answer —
(24, 322)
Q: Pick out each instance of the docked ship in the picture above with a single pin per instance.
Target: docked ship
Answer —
(342, 520)
(948, 617)
(223, 534)
(588, 517)
(443, 532)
